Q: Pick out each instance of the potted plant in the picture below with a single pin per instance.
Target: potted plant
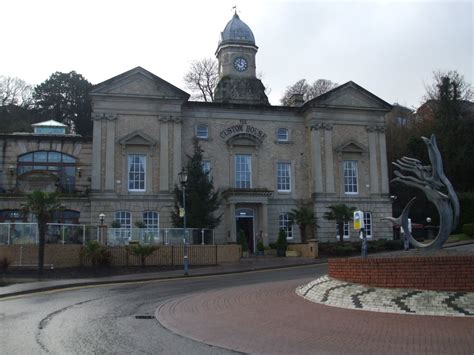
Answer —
(282, 243)
(244, 244)
(260, 247)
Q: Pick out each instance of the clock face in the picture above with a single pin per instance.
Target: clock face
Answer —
(240, 64)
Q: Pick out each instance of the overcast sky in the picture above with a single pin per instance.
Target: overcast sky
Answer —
(389, 48)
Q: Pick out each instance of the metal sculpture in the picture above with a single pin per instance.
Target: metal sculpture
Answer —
(437, 188)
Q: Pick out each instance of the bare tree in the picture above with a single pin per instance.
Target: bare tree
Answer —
(14, 91)
(309, 91)
(448, 84)
(202, 78)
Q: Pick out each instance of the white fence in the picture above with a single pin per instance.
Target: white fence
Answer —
(60, 233)
(166, 236)
(56, 233)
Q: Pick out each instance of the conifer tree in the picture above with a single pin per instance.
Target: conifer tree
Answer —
(202, 201)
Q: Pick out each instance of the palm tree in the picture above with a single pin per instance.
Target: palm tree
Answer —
(341, 213)
(42, 205)
(304, 217)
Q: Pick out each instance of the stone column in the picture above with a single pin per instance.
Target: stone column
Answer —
(110, 153)
(177, 161)
(316, 165)
(233, 231)
(374, 176)
(383, 160)
(164, 156)
(96, 152)
(265, 223)
(329, 161)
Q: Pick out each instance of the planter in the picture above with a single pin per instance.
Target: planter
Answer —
(260, 253)
(245, 254)
(293, 253)
(281, 252)
(272, 252)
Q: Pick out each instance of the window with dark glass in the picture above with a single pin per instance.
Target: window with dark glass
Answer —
(57, 163)
(282, 135)
(202, 131)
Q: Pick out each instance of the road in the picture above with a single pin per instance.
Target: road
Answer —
(119, 318)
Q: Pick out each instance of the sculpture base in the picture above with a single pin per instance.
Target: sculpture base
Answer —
(438, 271)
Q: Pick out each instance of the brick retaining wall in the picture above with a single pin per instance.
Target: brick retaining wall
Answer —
(449, 273)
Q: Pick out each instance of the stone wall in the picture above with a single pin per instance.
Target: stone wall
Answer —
(450, 273)
(62, 256)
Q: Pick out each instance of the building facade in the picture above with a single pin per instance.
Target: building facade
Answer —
(266, 160)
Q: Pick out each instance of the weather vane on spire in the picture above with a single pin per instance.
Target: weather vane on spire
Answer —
(235, 9)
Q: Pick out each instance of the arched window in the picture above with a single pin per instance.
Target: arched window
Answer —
(124, 218)
(202, 131)
(60, 164)
(283, 135)
(284, 223)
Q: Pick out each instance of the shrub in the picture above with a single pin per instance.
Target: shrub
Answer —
(282, 243)
(115, 224)
(142, 251)
(5, 264)
(468, 229)
(140, 224)
(243, 241)
(260, 246)
(394, 244)
(98, 254)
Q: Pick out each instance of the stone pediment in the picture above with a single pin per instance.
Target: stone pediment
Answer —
(140, 83)
(349, 95)
(137, 138)
(351, 146)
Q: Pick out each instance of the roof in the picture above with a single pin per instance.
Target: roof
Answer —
(237, 31)
(50, 123)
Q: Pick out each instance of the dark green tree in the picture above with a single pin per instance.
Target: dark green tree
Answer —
(42, 205)
(341, 213)
(202, 201)
(303, 216)
(453, 121)
(64, 97)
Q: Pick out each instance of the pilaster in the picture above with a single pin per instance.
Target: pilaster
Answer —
(374, 172)
(329, 159)
(316, 166)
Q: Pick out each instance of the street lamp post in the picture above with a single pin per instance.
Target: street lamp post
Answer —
(101, 226)
(183, 178)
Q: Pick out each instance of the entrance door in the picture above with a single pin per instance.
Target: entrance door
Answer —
(244, 221)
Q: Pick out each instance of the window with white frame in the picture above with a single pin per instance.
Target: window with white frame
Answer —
(136, 172)
(346, 231)
(283, 135)
(350, 177)
(124, 218)
(243, 171)
(202, 131)
(368, 224)
(284, 177)
(151, 219)
(284, 222)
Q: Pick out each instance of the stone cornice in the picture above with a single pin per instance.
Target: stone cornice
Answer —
(104, 116)
(376, 128)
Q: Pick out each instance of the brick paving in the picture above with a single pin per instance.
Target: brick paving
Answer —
(274, 319)
(332, 292)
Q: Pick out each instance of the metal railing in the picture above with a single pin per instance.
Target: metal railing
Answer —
(18, 233)
(64, 233)
(166, 236)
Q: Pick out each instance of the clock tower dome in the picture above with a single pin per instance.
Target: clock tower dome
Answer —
(235, 53)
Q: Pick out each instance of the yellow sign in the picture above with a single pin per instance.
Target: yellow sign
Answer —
(358, 220)
(181, 212)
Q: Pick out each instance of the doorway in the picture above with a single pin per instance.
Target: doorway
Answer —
(244, 222)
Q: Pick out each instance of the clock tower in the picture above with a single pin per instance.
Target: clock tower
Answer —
(235, 53)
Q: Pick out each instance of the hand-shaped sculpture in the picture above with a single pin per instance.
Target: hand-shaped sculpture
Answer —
(431, 180)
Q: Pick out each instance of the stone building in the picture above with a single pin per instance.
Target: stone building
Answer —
(266, 160)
